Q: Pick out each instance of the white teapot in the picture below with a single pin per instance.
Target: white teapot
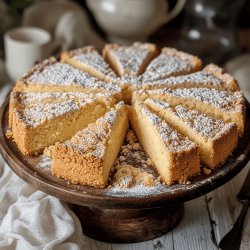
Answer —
(126, 21)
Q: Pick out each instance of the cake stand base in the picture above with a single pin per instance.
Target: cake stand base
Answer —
(128, 225)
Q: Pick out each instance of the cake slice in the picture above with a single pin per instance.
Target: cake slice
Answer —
(223, 105)
(215, 139)
(175, 157)
(88, 156)
(170, 62)
(211, 76)
(53, 76)
(43, 125)
(21, 100)
(90, 61)
(129, 60)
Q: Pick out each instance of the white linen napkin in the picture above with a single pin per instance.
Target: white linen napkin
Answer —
(31, 219)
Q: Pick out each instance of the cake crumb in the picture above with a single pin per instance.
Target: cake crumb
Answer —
(128, 176)
(9, 134)
(48, 151)
(207, 171)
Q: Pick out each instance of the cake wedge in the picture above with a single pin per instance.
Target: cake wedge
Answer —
(21, 100)
(215, 139)
(211, 76)
(53, 76)
(89, 60)
(88, 156)
(129, 60)
(223, 105)
(43, 125)
(176, 158)
(170, 62)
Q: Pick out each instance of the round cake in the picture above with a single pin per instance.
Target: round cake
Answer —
(99, 117)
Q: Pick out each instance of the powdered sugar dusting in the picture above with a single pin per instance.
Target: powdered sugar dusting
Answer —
(44, 162)
(64, 74)
(226, 100)
(165, 66)
(94, 60)
(172, 139)
(197, 79)
(131, 58)
(34, 116)
(29, 98)
(203, 124)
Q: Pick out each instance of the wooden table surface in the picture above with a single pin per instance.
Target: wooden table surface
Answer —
(206, 218)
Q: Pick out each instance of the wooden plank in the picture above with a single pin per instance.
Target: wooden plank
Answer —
(224, 208)
(164, 242)
(194, 231)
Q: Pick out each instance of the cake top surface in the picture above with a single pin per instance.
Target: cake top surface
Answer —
(28, 98)
(202, 124)
(34, 116)
(93, 139)
(90, 57)
(226, 100)
(51, 72)
(200, 77)
(205, 125)
(171, 138)
(131, 58)
(164, 66)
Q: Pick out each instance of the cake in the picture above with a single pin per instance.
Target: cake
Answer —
(88, 156)
(182, 114)
(215, 139)
(211, 76)
(43, 125)
(90, 61)
(53, 76)
(224, 105)
(175, 157)
(170, 62)
(129, 60)
(21, 100)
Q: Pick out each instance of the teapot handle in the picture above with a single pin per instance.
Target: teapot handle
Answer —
(175, 11)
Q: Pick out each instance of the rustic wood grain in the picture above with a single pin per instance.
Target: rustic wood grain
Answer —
(225, 208)
(128, 225)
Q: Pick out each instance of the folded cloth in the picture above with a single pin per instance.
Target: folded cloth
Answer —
(31, 219)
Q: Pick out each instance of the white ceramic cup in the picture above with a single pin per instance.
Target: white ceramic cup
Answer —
(24, 46)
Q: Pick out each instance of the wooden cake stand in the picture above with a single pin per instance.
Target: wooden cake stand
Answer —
(122, 216)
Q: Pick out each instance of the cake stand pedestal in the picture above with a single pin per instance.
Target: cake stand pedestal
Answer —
(128, 225)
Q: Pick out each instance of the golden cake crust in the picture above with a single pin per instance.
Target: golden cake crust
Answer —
(215, 139)
(88, 157)
(175, 157)
(225, 105)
